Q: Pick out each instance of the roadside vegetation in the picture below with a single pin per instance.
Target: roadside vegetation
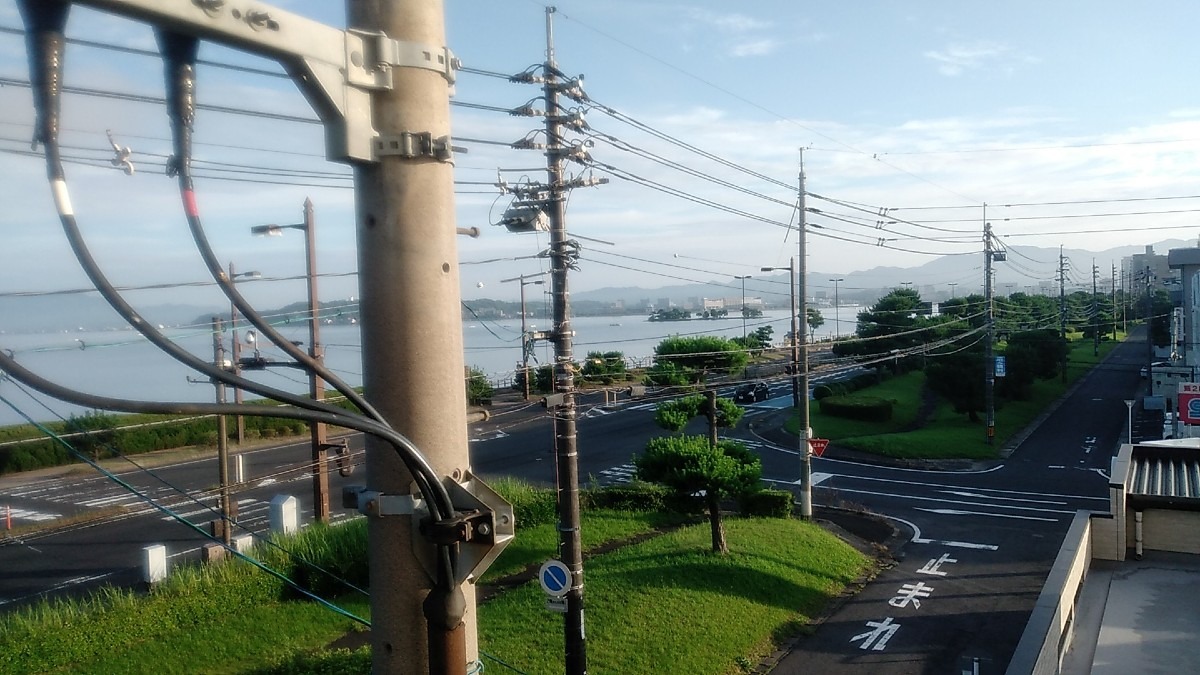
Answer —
(925, 425)
(655, 595)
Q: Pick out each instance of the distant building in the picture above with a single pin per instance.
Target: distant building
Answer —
(1135, 267)
(712, 303)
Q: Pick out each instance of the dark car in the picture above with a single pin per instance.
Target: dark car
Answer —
(752, 393)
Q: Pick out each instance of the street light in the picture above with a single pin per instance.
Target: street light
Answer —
(791, 268)
(236, 349)
(952, 284)
(906, 284)
(743, 279)
(316, 386)
(1129, 404)
(837, 322)
(524, 330)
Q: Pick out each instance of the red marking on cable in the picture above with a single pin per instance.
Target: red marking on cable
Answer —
(189, 204)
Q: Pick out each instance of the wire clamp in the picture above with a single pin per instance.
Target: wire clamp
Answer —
(410, 145)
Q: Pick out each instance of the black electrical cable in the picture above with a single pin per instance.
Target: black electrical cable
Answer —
(45, 42)
(179, 56)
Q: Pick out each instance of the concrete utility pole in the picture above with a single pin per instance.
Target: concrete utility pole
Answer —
(989, 358)
(1149, 334)
(806, 506)
(562, 255)
(1114, 301)
(1095, 311)
(228, 512)
(411, 337)
(1062, 307)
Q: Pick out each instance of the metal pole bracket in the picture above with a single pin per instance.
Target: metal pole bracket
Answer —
(380, 54)
(414, 145)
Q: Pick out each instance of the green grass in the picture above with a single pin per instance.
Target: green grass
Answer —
(664, 600)
(670, 605)
(947, 434)
(539, 543)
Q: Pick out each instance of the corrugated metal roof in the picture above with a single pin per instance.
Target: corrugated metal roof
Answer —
(1166, 476)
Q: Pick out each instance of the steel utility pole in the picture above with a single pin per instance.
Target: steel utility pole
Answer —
(524, 329)
(562, 256)
(989, 359)
(227, 507)
(795, 366)
(411, 337)
(235, 349)
(805, 431)
(316, 385)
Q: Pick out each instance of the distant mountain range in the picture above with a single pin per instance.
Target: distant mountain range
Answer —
(1027, 268)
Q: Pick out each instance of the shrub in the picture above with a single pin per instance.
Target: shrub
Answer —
(822, 391)
(766, 504)
(637, 496)
(862, 408)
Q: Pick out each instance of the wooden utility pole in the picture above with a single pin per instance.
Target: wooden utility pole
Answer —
(411, 336)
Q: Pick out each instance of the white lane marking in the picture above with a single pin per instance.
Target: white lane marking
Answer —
(18, 513)
(944, 486)
(951, 501)
(956, 512)
(964, 493)
(918, 539)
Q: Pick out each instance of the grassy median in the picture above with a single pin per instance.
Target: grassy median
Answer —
(657, 601)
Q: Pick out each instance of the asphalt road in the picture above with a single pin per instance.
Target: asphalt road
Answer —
(980, 541)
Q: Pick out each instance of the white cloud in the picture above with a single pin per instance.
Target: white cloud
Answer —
(755, 48)
(957, 58)
(728, 23)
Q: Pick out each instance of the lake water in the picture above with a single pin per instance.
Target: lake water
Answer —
(123, 364)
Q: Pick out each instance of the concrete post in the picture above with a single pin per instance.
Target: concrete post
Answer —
(411, 334)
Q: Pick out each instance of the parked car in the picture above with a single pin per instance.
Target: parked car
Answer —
(1157, 364)
(752, 393)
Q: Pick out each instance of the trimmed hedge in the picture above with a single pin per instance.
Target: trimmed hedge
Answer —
(766, 504)
(104, 438)
(863, 408)
(636, 496)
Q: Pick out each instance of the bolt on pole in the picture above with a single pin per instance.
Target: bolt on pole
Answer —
(412, 343)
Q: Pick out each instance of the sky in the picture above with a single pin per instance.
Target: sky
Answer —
(1068, 123)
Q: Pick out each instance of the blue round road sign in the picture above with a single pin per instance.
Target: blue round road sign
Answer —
(555, 578)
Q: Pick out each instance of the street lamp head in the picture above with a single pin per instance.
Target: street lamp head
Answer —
(248, 275)
(273, 230)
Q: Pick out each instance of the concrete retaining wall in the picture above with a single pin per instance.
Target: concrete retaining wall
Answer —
(1048, 633)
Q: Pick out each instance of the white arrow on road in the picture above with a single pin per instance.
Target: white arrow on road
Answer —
(976, 495)
(956, 512)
